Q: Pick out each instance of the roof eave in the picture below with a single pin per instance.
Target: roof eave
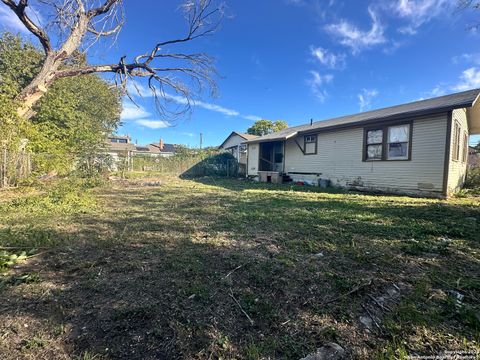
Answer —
(280, 138)
(405, 115)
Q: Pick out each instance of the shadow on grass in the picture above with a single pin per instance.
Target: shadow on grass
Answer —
(157, 274)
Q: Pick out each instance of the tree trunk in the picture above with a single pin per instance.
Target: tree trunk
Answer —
(34, 91)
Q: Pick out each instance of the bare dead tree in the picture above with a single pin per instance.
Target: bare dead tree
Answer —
(79, 24)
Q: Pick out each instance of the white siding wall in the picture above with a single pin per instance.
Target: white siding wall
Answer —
(339, 158)
(457, 169)
(233, 146)
(252, 164)
(235, 140)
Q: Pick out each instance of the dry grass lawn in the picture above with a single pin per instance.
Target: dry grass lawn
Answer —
(228, 269)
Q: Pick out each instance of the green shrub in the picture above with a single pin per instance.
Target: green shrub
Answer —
(473, 178)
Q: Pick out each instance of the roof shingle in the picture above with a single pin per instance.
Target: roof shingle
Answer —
(438, 104)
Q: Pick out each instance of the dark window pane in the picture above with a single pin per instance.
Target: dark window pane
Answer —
(398, 150)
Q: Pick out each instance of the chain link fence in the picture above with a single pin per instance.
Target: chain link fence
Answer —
(18, 167)
(187, 166)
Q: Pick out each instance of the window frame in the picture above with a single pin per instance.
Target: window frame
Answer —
(465, 147)
(384, 144)
(315, 136)
(242, 148)
(457, 130)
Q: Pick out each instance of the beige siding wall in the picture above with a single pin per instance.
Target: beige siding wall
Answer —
(457, 169)
(252, 163)
(339, 158)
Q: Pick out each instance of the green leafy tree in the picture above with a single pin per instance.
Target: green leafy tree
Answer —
(19, 63)
(70, 121)
(264, 127)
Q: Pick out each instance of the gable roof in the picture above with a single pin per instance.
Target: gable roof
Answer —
(120, 146)
(167, 148)
(416, 108)
(170, 148)
(245, 136)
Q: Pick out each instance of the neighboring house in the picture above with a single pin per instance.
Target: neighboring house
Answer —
(165, 150)
(419, 148)
(121, 145)
(235, 145)
(473, 157)
(159, 149)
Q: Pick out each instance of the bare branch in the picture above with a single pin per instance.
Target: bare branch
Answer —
(175, 78)
(20, 11)
(103, 9)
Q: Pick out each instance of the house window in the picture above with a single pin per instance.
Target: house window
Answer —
(456, 141)
(387, 143)
(465, 147)
(374, 144)
(243, 148)
(310, 144)
(397, 146)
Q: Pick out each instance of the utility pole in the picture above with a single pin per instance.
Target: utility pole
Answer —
(201, 141)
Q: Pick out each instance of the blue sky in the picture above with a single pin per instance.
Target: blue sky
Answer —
(300, 59)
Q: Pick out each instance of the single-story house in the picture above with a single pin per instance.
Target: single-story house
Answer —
(235, 145)
(419, 148)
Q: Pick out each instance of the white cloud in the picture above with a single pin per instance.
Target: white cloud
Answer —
(135, 88)
(418, 12)
(139, 90)
(140, 116)
(366, 97)
(470, 79)
(438, 90)
(295, 2)
(473, 58)
(328, 58)
(132, 112)
(252, 117)
(189, 134)
(9, 20)
(152, 124)
(357, 39)
(316, 84)
(208, 106)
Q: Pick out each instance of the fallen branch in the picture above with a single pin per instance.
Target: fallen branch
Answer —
(353, 291)
(372, 317)
(240, 306)
(23, 247)
(384, 307)
(237, 268)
